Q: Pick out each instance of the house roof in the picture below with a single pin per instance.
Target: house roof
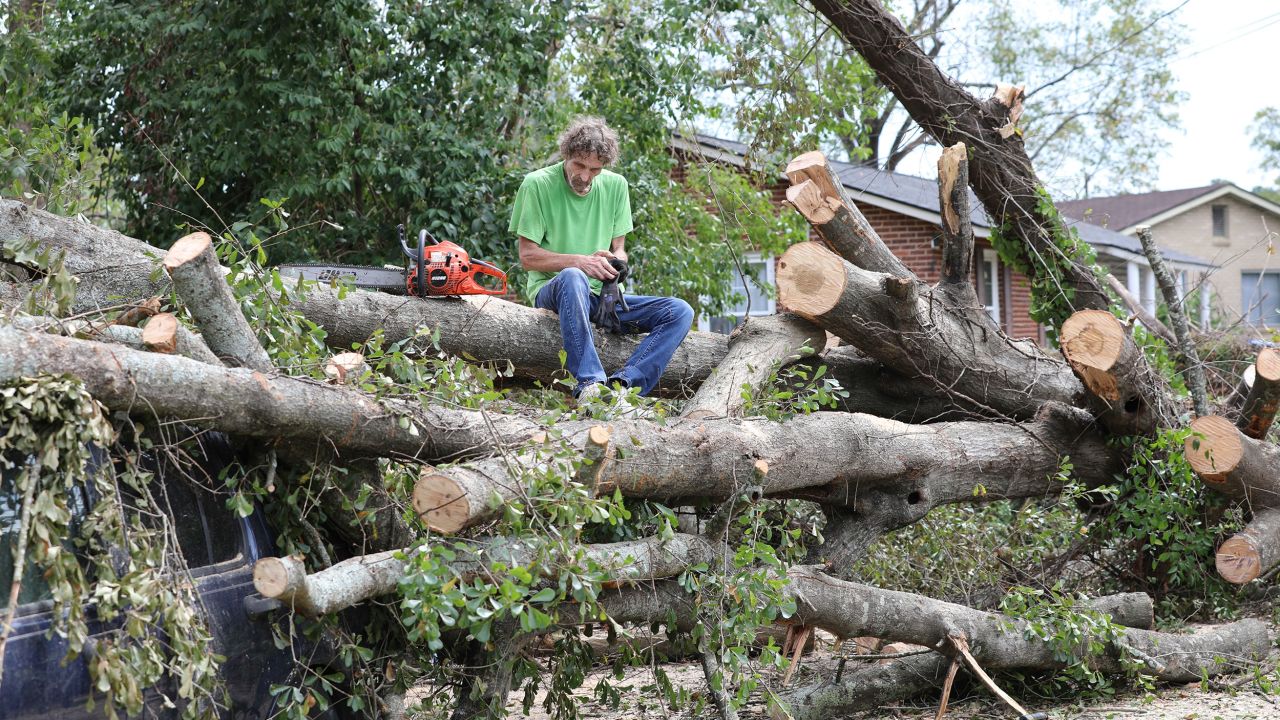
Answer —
(918, 197)
(1120, 212)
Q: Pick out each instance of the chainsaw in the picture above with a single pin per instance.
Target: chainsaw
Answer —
(440, 269)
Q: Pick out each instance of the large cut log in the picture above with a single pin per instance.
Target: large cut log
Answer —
(111, 267)
(1263, 398)
(193, 266)
(1233, 464)
(892, 472)
(889, 682)
(903, 325)
(238, 401)
(1131, 398)
(1252, 552)
(1000, 172)
(360, 578)
(818, 194)
(756, 348)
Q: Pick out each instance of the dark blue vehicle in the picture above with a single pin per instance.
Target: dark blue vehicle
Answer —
(220, 550)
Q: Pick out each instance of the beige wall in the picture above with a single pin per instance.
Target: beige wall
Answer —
(1244, 249)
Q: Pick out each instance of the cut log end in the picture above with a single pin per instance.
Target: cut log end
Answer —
(276, 577)
(1268, 365)
(186, 249)
(1213, 448)
(440, 502)
(1238, 560)
(1092, 341)
(161, 333)
(811, 279)
(345, 367)
(599, 435)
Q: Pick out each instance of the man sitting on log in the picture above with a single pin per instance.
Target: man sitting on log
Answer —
(572, 219)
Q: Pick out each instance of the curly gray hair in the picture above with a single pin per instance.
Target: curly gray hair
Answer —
(589, 135)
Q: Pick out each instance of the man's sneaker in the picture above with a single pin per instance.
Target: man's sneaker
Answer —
(590, 393)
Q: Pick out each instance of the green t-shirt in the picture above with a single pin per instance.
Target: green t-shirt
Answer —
(548, 212)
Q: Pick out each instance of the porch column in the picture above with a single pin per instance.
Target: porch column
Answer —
(1205, 291)
(1132, 278)
(1148, 290)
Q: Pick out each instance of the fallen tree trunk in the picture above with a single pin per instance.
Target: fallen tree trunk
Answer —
(237, 401)
(889, 681)
(358, 579)
(756, 348)
(887, 470)
(110, 266)
(905, 326)
(1001, 174)
(1132, 399)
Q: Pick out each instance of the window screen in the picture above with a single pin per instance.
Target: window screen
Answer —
(752, 298)
(1262, 297)
(1219, 220)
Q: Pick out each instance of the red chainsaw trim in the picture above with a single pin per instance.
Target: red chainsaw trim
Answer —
(451, 271)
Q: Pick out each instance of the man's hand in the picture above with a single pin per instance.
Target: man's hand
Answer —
(597, 265)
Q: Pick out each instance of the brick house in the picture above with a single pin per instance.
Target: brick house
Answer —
(904, 210)
(1229, 227)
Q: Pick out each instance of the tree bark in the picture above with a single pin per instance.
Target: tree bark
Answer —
(1132, 399)
(357, 579)
(876, 390)
(110, 266)
(1263, 399)
(891, 681)
(891, 471)
(756, 348)
(1000, 171)
(1233, 464)
(1252, 552)
(818, 194)
(200, 282)
(957, 226)
(905, 326)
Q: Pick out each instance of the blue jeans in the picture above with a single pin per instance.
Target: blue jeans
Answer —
(667, 320)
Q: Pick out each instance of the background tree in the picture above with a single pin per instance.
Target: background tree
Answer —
(1266, 140)
(1099, 91)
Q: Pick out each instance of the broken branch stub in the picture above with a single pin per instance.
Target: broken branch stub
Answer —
(819, 195)
(161, 333)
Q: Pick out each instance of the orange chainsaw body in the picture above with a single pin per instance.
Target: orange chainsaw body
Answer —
(447, 269)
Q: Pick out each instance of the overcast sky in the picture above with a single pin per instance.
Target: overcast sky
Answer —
(1230, 70)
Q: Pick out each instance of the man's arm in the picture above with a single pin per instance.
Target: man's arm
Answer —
(618, 247)
(535, 257)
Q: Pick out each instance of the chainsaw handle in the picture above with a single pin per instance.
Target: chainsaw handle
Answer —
(480, 267)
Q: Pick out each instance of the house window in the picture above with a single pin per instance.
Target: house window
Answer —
(1261, 297)
(989, 283)
(752, 298)
(1220, 221)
